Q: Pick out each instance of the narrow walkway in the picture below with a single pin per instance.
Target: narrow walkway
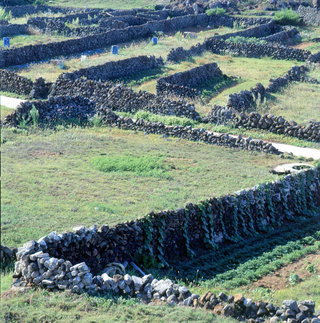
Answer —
(284, 148)
(9, 102)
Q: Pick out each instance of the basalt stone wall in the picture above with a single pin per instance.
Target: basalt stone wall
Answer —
(116, 69)
(120, 98)
(288, 37)
(268, 122)
(58, 25)
(184, 84)
(19, 11)
(13, 29)
(73, 260)
(310, 16)
(314, 58)
(14, 83)
(257, 50)
(265, 30)
(33, 53)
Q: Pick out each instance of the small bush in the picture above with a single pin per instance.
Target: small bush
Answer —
(311, 268)
(215, 11)
(143, 165)
(287, 17)
(34, 114)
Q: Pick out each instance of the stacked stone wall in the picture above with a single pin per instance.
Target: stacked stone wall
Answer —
(184, 84)
(116, 69)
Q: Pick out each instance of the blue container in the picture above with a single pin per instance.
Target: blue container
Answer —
(114, 50)
(154, 40)
(6, 41)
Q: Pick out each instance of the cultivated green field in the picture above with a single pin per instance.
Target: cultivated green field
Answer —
(50, 180)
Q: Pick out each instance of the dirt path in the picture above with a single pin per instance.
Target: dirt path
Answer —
(9, 102)
(280, 279)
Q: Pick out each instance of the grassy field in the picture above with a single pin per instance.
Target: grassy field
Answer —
(50, 180)
(24, 40)
(299, 102)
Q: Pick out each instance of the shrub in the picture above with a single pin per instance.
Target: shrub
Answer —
(287, 17)
(143, 165)
(215, 11)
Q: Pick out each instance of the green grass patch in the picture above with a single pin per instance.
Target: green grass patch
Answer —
(246, 40)
(215, 11)
(141, 165)
(71, 192)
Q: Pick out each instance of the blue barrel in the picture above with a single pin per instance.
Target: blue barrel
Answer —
(6, 41)
(114, 50)
(154, 40)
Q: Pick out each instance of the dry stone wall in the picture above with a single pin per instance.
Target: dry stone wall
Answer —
(74, 260)
(120, 98)
(14, 83)
(257, 50)
(116, 69)
(271, 29)
(184, 84)
(13, 29)
(33, 53)
(268, 122)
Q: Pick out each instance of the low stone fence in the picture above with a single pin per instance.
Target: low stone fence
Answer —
(116, 69)
(121, 98)
(33, 53)
(264, 30)
(20, 11)
(268, 122)
(75, 260)
(184, 84)
(13, 29)
(14, 83)
(257, 50)
(288, 37)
